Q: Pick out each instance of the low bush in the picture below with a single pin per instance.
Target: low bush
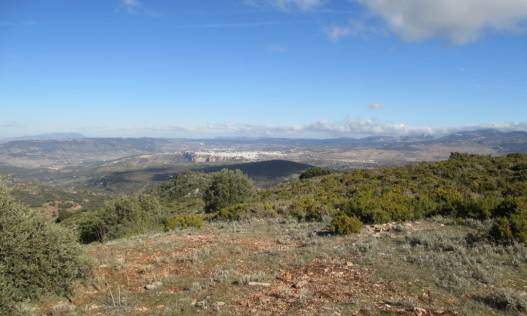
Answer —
(246, 211)
(475, 208)
(92, 228)
(509, 229)
(183, 222)
(342, 224)
(125, 216)
(507, 300)
(232, 213)
(511, 222)
(308, 210)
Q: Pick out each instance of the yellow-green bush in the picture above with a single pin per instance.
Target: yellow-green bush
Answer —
(183, 222)
(342, 224)
(308, 209)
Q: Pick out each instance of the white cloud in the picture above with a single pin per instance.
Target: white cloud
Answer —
(354, 27)
(459, 21)
(132, 6)
(360, 128)
(137, 7)
(304, 5)
(301, 4)
(376, 106)
(351, 127)
(336, 32)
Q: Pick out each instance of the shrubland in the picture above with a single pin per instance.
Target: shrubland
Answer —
(462, 187)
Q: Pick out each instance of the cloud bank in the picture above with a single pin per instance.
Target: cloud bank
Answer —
(459, 21)
(350, 127)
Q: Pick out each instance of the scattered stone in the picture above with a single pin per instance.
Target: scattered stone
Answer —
(217, 306)
(141, 309)
(93, 306)
(201, 304)
(153, 286)
(63, 308)
(259, 284)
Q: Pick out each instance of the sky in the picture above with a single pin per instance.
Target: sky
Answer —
(277, 68)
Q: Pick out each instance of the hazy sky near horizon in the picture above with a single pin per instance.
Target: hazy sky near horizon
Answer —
(183, 68)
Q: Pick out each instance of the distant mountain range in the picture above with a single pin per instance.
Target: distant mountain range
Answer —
(69, 149)
(482, 136)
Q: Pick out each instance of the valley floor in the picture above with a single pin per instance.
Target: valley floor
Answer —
(273, 267)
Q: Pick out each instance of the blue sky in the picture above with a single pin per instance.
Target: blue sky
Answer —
(296, 68)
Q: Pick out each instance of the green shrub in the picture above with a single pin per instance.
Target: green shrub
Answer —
(474, 208)
(308, 209)
(232, 213)
(314, 214)
(501, 230)
(315, 172)
(511, 222)
(63, 215)
(519, 226)
(245, 211)
(183, 222)
(227, 188)
(509, 206)
(342, 224)
(184, 185)
(92, 229)
(37, 257)
(125, 216)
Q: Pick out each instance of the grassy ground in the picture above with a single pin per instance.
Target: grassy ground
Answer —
(289, 268)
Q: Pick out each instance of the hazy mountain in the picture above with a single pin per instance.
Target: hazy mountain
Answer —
(49, 136)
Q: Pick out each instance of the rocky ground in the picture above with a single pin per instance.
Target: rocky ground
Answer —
(287, 268)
